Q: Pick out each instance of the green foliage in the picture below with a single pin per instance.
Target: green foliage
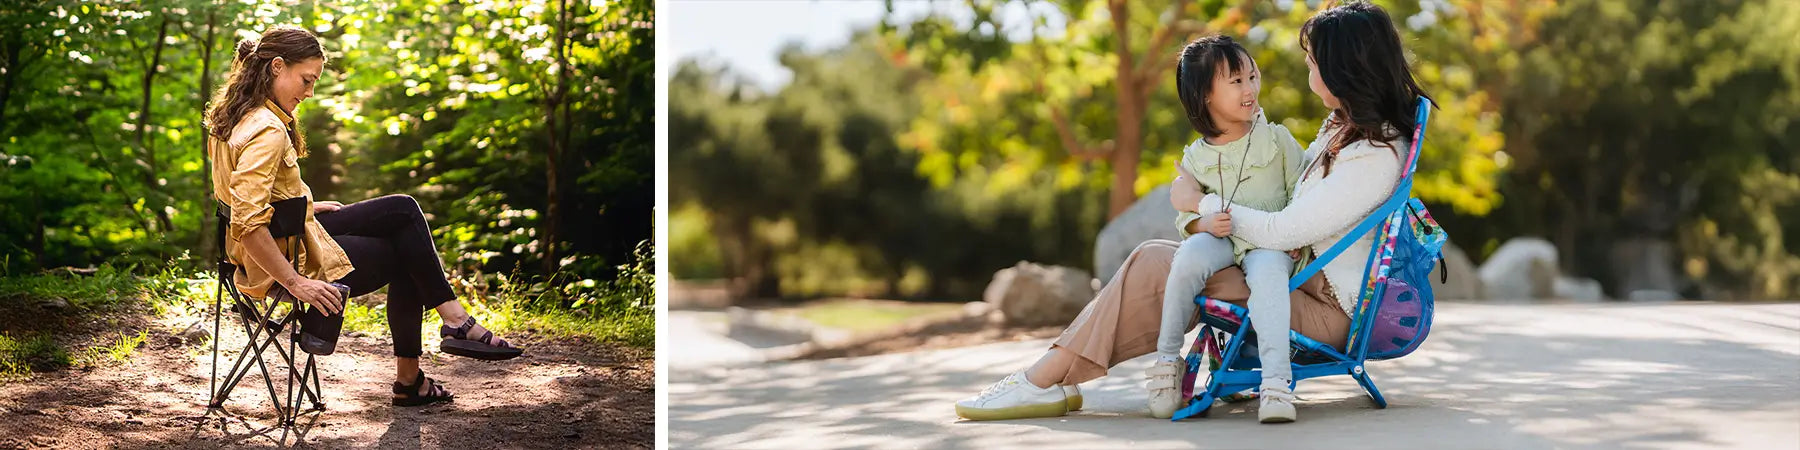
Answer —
(466, 105)
(937, 150)
(635, 286)
(693, 253)
(368, 319)
(606, 315)
(870, 315)
(21, 356)
(1666, 121)
(636, 328)
(107, 286)
(111, 350)
(819, 160)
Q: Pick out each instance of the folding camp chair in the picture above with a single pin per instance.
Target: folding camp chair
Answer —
(1398, 280)
(263, 322)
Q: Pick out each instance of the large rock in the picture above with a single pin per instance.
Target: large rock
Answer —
(195, 333)
(1580, 289)
(1521, 269)
(1645, 269)
(1030, 294)
(1463, 283)
(1149, 218)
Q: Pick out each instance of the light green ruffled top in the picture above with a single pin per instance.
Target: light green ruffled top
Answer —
(1261, 168)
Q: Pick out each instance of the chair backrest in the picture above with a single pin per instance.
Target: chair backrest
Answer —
(289, 219)
(1395, 298)
(222, 214)
(1396, 304)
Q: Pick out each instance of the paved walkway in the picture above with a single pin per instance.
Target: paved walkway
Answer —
(1671, 375)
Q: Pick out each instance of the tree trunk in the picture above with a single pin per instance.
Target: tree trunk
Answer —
(12, 73)
(208, 249)
(553, 196)
(1125, 152)
(1130, 114)
(745, 259)
(144, 143)
(319, 168)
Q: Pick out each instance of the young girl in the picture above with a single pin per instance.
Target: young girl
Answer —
(1243, 157)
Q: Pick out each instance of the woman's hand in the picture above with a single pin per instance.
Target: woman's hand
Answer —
(1184, 192)
(317, 293)
(1217, 224)
(326, 206)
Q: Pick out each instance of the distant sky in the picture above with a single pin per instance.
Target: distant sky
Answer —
(746, 34)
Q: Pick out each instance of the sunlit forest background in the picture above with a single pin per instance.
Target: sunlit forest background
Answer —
(926, 152)
(523, 127)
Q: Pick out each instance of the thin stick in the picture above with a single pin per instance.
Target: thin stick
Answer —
(1221, 162)
(1241, 161)
(1240, 172)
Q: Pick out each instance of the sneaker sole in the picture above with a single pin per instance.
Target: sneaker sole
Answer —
(1074, 403)
(1154, 414)
(1016, 412)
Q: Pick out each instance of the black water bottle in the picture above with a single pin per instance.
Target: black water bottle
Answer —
(318, 332)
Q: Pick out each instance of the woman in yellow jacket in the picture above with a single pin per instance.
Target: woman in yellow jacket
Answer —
(286, 245)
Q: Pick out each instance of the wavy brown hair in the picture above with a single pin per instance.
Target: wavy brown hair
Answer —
(252, 79)
(1358, 54)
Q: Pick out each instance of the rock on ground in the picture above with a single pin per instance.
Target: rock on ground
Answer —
(1148, 218)
(1522, 268)
(1030, 294)
(1463, 283)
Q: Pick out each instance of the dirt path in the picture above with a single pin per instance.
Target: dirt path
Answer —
(561, 394)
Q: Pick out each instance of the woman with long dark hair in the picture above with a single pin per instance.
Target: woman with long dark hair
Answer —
(1358, 70)
(254, 144)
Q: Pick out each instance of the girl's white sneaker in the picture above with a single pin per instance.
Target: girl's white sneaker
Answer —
(1277, 406)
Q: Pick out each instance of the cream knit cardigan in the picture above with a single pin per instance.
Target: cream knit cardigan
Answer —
(1325, 209)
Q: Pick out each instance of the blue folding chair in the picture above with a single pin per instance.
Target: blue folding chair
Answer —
(1399, 272)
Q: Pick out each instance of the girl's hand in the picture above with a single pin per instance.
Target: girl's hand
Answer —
(1217, 224)
(1212, 203)
(1184, 192)
(326, 206)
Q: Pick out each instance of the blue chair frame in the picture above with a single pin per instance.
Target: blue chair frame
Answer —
(1240, 369)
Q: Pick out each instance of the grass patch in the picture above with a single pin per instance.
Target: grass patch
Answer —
(511, 309)
(365, 319)
(106, 286)
(112, 350)
(20, 357)
(868, 315)
(636, 329)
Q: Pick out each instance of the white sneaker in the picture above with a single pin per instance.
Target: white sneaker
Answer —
(1277, 406)
(1165, 395)
(1014, 398)
(1073, 396)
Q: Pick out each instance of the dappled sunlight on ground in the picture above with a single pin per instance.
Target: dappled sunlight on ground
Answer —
(1491, 376)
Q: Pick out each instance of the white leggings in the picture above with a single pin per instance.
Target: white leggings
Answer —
(1266, 271)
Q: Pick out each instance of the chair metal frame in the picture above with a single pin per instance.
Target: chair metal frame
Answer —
(264, 329)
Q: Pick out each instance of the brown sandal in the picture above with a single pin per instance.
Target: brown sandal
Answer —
(409, 394)
(457, 342)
